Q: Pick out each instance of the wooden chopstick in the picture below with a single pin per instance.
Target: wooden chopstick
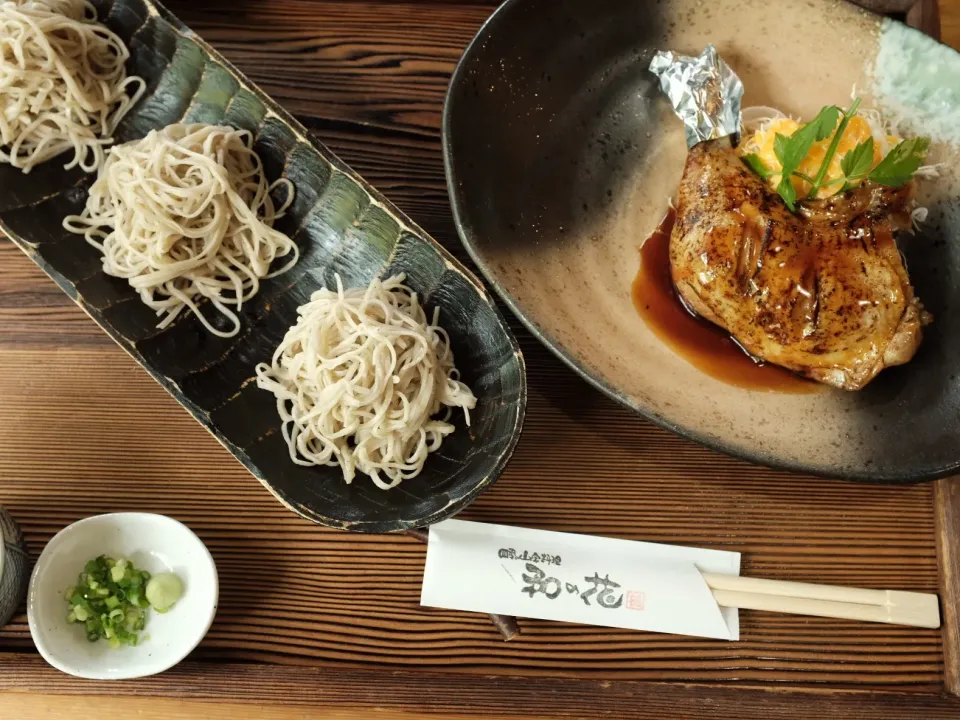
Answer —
(885, 606)
(894, 607)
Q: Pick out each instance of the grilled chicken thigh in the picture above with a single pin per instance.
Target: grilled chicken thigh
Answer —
(823, 293)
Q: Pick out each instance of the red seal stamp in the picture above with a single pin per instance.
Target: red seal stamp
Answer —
(635, 600)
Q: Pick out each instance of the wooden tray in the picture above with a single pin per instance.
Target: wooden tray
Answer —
(83, 430)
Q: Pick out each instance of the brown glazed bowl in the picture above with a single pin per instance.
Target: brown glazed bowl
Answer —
(561, 156)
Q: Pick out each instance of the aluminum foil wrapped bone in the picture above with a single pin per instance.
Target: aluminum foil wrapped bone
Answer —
(704, 92)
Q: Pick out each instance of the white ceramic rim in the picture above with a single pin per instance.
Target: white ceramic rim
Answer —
(79, 672)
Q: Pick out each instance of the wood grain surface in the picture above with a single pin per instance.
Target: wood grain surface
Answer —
(947, 504)
(86, 431)
(950, 22)
(214, 691)
(83, 430)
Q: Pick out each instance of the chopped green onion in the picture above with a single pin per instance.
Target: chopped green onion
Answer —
(111, 597)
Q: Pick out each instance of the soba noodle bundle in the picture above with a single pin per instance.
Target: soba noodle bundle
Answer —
(63, 85)
(359, 379)
(186, 214)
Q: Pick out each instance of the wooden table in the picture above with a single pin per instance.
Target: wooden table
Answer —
(315, 619)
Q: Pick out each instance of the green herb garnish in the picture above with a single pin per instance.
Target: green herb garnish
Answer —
(791, 151)
(856, 164)
(832, 149)
(901, 163)
(111, 601)
(756, 164)
(896, 169)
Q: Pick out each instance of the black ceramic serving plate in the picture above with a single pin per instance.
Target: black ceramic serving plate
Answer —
(561, 154)
(341, 225)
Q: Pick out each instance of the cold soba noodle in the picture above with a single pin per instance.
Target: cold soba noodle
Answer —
(184, 215)
(63, 85)
(359, 378)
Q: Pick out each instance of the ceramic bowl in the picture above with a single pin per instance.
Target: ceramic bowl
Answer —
(14, 567)
(154, 543)
(562, 154)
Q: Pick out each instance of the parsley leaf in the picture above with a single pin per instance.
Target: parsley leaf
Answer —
(782, 149)
(898, 167)
(780, 144)
(789, 194)
(791, 151)
(856, 164)
(754, 162)
(795, 148)
(832, 149)
(825, 122)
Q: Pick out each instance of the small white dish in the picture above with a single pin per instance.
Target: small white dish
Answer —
(154, 543)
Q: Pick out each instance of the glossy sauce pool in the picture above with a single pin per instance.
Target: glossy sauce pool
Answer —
(703, 344)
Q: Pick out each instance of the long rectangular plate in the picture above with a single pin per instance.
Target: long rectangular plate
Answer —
(341, 225)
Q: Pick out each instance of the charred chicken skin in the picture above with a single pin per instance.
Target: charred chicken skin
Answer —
(823, 292)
